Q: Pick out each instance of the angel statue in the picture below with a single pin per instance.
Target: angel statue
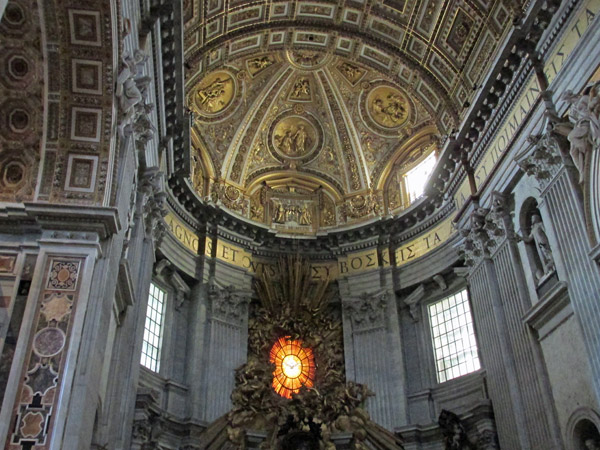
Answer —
(585, 116)
(128, 90)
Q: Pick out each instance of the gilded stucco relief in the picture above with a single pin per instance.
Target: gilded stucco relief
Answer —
(215, 93)
(303, 146)
(284, 116)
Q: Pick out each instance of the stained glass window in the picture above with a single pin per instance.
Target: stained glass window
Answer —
(294, 366)
(453, 335)
(153, 328)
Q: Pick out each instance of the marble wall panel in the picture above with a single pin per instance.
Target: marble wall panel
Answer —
(41, 377)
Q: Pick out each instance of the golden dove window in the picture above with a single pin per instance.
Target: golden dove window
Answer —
(294, 366)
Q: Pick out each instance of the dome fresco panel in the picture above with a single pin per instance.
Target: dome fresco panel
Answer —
(306, 115)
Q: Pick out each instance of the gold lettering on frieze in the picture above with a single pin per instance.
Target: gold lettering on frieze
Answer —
(208, 246)
(516, 117)
(425, 243)
(237, 256)
(358, 262)
(523, 106)
(575, 30)
(229, 253)
(384, 257)
(182, 232)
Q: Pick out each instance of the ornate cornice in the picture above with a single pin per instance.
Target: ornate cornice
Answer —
(489, 109)
(412, 221)
(34, 218)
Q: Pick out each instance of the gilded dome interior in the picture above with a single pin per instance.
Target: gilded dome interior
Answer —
(303, 121)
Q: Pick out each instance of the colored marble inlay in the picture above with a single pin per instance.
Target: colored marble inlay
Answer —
(48, 342)
(63, 275)
(41, 377)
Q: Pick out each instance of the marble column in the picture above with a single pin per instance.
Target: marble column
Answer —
(196, 338)
(52, 345)
(226, 347)
(561, 207)
(372, 346)
(532, 377)
(493, 331)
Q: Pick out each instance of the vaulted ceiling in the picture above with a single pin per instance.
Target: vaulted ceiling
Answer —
(304, 113)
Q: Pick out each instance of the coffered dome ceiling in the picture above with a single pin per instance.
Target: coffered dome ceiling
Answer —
(306, 114)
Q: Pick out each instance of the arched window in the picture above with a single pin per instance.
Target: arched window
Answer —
(407, 181)
(416, 178)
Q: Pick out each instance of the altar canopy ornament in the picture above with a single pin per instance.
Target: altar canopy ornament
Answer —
(294, 379)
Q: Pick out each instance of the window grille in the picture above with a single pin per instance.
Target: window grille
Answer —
(454, 344)
(153, 328)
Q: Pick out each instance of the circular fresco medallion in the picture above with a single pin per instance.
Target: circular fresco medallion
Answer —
(294, 136)
(215, 93)
(48, 342)
(387, 107)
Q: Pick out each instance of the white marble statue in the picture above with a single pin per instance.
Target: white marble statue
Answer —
(585, 116)
(129, 89)
(538, 237)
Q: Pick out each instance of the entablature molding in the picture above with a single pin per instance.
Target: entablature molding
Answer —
(35, 218)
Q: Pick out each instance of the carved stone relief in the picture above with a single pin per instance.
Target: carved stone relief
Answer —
(294, 137)
(481, 237)
(387, 107)
(301, 90)
(352, 73)
(258, 64)
(228, 304)
(298, 214)
(543, 158)
(215, 93)
(368, 310)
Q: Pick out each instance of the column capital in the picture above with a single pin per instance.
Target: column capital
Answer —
(544, 155)
(367, 310)
(481, 237)
(228, 303)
